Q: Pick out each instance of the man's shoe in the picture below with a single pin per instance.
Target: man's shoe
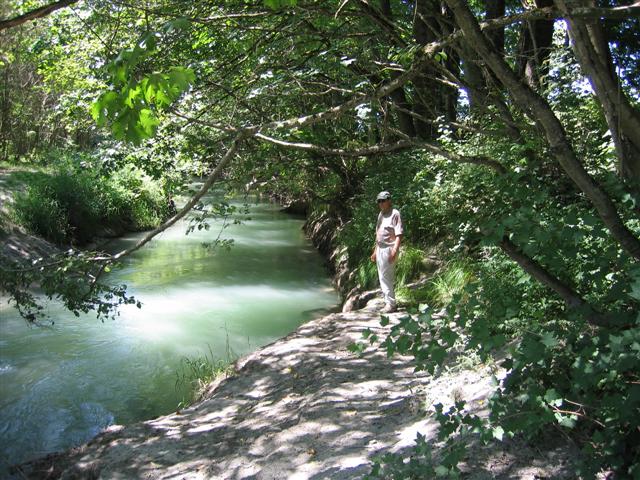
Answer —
(388, 309)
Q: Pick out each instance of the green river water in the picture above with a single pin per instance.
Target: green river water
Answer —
(60, 386)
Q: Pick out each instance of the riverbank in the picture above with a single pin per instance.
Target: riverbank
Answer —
(303, 407)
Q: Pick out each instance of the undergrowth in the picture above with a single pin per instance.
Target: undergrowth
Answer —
(68, 203)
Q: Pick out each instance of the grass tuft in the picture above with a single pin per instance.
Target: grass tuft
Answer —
(442, 288)
(195, 375)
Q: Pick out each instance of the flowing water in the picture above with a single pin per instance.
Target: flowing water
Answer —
(60, 386)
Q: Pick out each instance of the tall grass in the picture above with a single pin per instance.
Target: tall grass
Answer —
(410, 264)
(450, 281)
(196, 373)
(367, 275)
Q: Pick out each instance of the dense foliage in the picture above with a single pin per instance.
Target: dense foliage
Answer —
(513, 152)
(71, 202)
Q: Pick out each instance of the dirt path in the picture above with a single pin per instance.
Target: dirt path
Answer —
(301, 408)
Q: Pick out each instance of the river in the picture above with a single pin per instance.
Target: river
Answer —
(60, 386)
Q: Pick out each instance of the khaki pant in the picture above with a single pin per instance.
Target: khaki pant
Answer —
(386, 274)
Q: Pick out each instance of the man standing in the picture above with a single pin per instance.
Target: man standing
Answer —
(385, 252)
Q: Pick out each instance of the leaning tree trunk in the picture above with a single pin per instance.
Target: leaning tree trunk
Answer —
(592, 50)
(532, 103)
(573, 300)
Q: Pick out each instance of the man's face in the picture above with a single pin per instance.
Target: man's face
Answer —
(384, 205)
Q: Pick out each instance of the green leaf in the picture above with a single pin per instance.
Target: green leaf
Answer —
(552, 397)
(438, 353)
(280, 4)
(180, 78)
(448, 336)
(107, 104)
(149, 122)
(148, 41)
(549, 340)
(635, 289)
(498, 433)
(181, 23)
(441, 471)
(132, 94)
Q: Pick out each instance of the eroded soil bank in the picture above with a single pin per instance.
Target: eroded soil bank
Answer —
(303, 407)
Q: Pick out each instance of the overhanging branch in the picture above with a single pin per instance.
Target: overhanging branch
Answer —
(224, 161)
(34, 14)
(385, 148)
(572, 299)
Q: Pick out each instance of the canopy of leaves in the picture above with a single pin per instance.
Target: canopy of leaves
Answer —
(505, 146)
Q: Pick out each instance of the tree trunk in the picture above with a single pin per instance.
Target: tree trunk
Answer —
(536, 37)
(432, 99)
(496, 9)
(398, 96)
(592, 51)
(532, 103)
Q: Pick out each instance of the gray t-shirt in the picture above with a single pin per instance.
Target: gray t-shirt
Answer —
(389, 226)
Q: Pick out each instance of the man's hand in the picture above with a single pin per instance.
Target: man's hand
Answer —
(392, 255)
(373, 256)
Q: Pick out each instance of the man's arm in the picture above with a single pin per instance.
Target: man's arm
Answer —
(395, 249)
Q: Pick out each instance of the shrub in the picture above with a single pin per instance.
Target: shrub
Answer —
(71, 203)
(63, 207)
(41, 214)
(135, 199)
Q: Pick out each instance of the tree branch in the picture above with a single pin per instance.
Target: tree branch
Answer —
(573, 300)
(34, 14)
(384, 148)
